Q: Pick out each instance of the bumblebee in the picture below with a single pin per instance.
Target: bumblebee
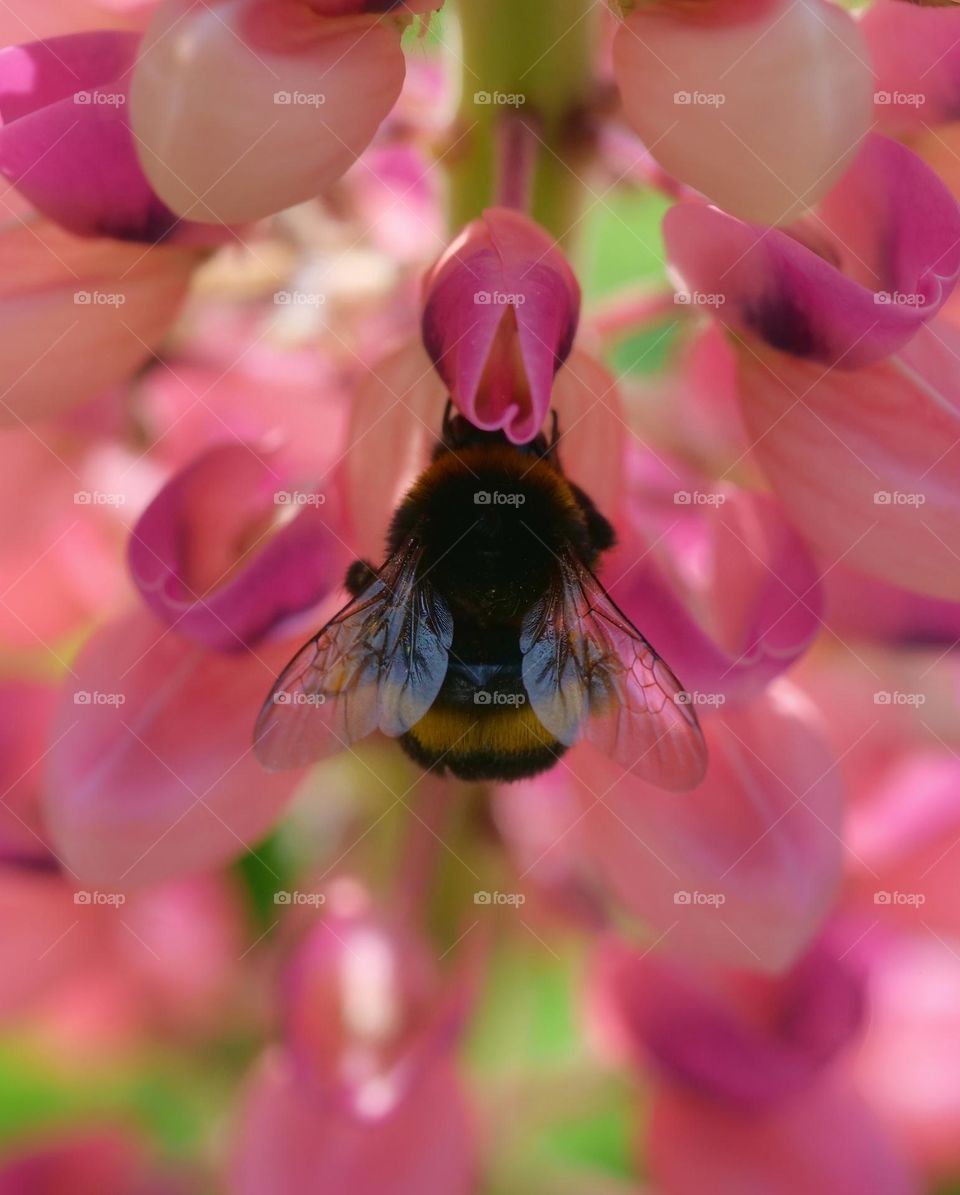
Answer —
(485, 643)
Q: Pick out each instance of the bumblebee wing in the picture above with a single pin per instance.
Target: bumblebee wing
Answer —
(377, 665)
(589, 673)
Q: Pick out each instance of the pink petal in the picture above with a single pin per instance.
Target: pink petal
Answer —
(151, 773)
(499, 318)
(742, 870)
(866, 463)
(861, 607)
(885, 255)
(915, 58)
(759, 106)
(210, 558)
(747, 1041)
(825, 1140)
(755, 579)
(26, 710)
(240, 112)
(364, 1010)
(65, 143)
(287, 1141)
(910, 1058)
(79, 315)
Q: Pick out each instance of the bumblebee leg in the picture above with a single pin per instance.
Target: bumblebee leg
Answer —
(359, 575)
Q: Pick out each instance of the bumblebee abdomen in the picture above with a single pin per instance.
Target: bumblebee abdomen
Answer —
(482, 742)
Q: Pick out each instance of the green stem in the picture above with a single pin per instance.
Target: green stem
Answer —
(543, 53)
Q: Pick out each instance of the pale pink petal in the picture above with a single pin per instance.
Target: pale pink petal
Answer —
(909, 1062)
(759, 106)
(288, 1141)
(152, 774)
(212, 558)
(239, 111)
(825, 1140)
(855, 283)
(78, 315)
(862, 607)
(915, 57)
(866, 463)
(743, 869)
(499, 318)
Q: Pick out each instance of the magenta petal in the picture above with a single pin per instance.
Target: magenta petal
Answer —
(746, 1040)
(151, 772)
(763, 591)
(889, 233)
(65, 143)
(501, 311)
(26, 709)
(206, 560)
(287, 1141)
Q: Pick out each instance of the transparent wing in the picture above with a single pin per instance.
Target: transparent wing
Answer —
(377, 665)
(589, 673)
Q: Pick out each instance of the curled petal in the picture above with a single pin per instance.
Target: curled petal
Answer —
(866, 462)
(883, 256)
(745, 1040)
(742, 870)
(211, 558)
(241, 108)
(151, 774)
(66, 144)
(759, 106)
(288, 1141)
(499, 318)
